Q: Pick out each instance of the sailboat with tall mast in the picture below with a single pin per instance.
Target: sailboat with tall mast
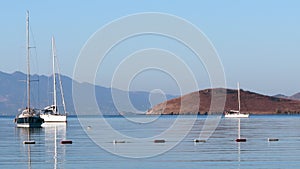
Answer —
(51, 113)
(237, 113)
(29, 117)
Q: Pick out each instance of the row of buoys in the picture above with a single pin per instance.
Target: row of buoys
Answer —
(244, 140)
(61, 142)
(196, 140)
(237, 140)
(155, 141)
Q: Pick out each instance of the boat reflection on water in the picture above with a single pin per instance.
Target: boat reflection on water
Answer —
(27, 137)
(239, 141)
(54, 133)
(43, 142)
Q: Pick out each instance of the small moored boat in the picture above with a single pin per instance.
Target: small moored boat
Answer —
(237, 113)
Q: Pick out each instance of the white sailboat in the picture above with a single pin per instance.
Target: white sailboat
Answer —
(51, 113)
(29, 117)
(237, 113)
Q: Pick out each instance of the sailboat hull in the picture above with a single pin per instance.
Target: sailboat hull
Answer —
(29, 122)
(54, 117)
(236, 115)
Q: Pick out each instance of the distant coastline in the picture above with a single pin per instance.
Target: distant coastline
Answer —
(253, 103)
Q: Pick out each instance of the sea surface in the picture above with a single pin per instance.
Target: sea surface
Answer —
(87, 151)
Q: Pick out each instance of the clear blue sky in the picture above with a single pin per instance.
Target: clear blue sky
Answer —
(258, 41)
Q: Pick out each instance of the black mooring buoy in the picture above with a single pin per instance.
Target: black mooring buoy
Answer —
(29, 142)
(241, 140)
(159, 141)
(118, 141)
(198, 141)
(273, 139)
(66, 142)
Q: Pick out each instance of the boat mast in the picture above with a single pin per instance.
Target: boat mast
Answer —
(54, 78)
(28, 60)
(239, 97)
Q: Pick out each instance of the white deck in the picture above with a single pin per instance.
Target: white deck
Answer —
(53, 118)
(237, 115)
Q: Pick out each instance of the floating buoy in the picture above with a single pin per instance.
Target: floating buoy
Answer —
(273, 139)
(118, 141)
(29, 142)
(198, 141)
(241, 140)
(66, 142)
(159, 141)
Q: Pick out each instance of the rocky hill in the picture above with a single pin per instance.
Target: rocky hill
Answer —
(199, 103)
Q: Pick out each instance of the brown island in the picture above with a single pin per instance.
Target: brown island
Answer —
(226, 99)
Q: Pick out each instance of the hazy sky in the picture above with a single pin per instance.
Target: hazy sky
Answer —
(257, 41)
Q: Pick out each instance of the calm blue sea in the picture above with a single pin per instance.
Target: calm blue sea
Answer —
(219, 151)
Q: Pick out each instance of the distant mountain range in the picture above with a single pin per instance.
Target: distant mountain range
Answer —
(200, 102)
(293, 97)
(13, 95)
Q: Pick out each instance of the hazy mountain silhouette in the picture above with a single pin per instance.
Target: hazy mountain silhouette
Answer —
(13, 95)
(293, 97)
